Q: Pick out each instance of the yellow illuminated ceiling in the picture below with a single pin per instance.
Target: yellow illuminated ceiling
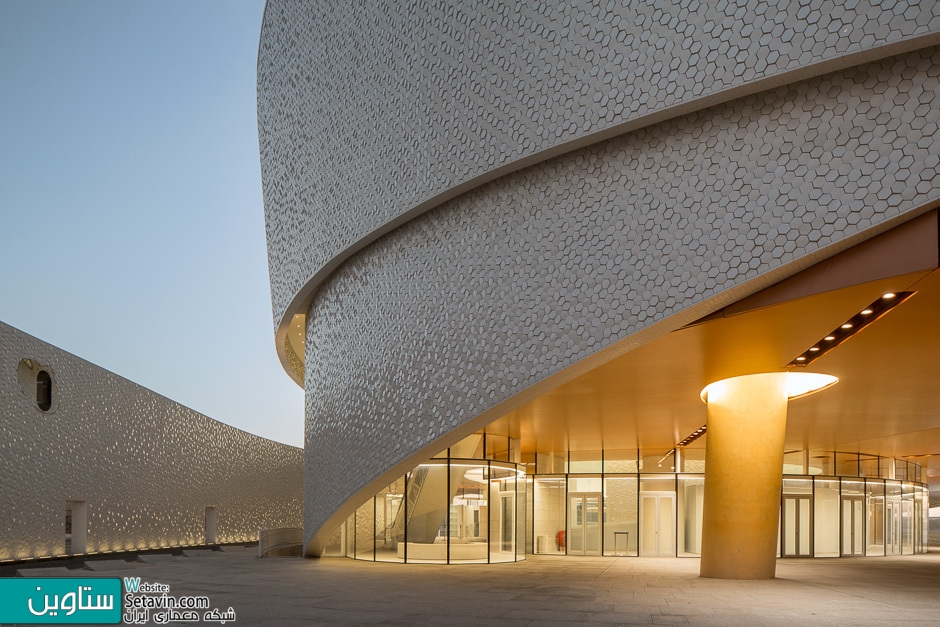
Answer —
(887, 400)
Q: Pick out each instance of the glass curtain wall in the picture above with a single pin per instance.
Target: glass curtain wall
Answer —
(484, 509)
(444, 511)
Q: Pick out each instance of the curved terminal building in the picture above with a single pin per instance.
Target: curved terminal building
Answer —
(555, 277)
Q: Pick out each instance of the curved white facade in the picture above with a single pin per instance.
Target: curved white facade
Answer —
(480, 206)
(146, 471)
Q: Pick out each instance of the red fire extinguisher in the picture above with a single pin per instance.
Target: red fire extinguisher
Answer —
(560, 540)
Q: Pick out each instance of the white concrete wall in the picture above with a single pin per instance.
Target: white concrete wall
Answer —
(471, 206)
(145, 467)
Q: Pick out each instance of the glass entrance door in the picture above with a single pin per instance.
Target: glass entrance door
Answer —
(893, 527)
(853, 525)
(657, 524)
(796, 526)
(584, 524)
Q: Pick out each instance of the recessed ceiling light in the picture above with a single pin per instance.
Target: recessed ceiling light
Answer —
(857, 323)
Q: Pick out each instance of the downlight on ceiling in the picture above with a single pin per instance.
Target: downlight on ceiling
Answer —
(799, 384)
(692, 437)
(853, 325)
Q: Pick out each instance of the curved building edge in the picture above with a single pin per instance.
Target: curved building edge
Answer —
(449, 281)
(283, 138)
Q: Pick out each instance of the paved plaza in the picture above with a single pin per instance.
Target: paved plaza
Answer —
(542, 590)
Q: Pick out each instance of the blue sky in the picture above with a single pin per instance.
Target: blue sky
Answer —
(131, 215)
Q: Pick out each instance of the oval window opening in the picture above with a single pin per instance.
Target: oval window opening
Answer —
(44, 390)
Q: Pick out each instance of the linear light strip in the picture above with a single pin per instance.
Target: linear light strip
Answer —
(851, 327)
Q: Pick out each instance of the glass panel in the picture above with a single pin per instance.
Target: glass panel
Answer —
(551, 463)
(847, 464)
(789, 524)
(875, 492)
(657, 460)
(549, 520)
(692, 459)
(886, 468)
(523, 507)
(852, 525)
(621, 461)
(350, 535)
(868, 466)
(592, 524)
(502, 514)
(620, 515)
(907, 520)
(821, 463)
(365, 531)
(925, 519)
(497, 447)
(826, 518)
(471, 447)
(648, 513)
(427, 514)
(900, 470)
(805, 532)
(892, 518)
(796, 517)
(584, 484)
(529, 522)
(796, 485)
(691, 498)
(528, 460)
(794, 463)
(584, 461)
(657, 484)
(667, 527)
(576, 525)
(468, 509)
(852, 487)
(390, 522)
(657, 524)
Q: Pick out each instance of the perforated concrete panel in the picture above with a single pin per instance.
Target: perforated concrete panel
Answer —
(369, 111)
(145, 467)
(489, 200)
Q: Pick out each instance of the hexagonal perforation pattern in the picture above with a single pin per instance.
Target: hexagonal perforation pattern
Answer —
(145, 466)
(492, 292)
(367, 110)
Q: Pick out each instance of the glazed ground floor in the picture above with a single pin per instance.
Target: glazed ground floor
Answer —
(488, 509)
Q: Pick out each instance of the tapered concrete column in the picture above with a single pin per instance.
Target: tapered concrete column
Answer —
(747, 424)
